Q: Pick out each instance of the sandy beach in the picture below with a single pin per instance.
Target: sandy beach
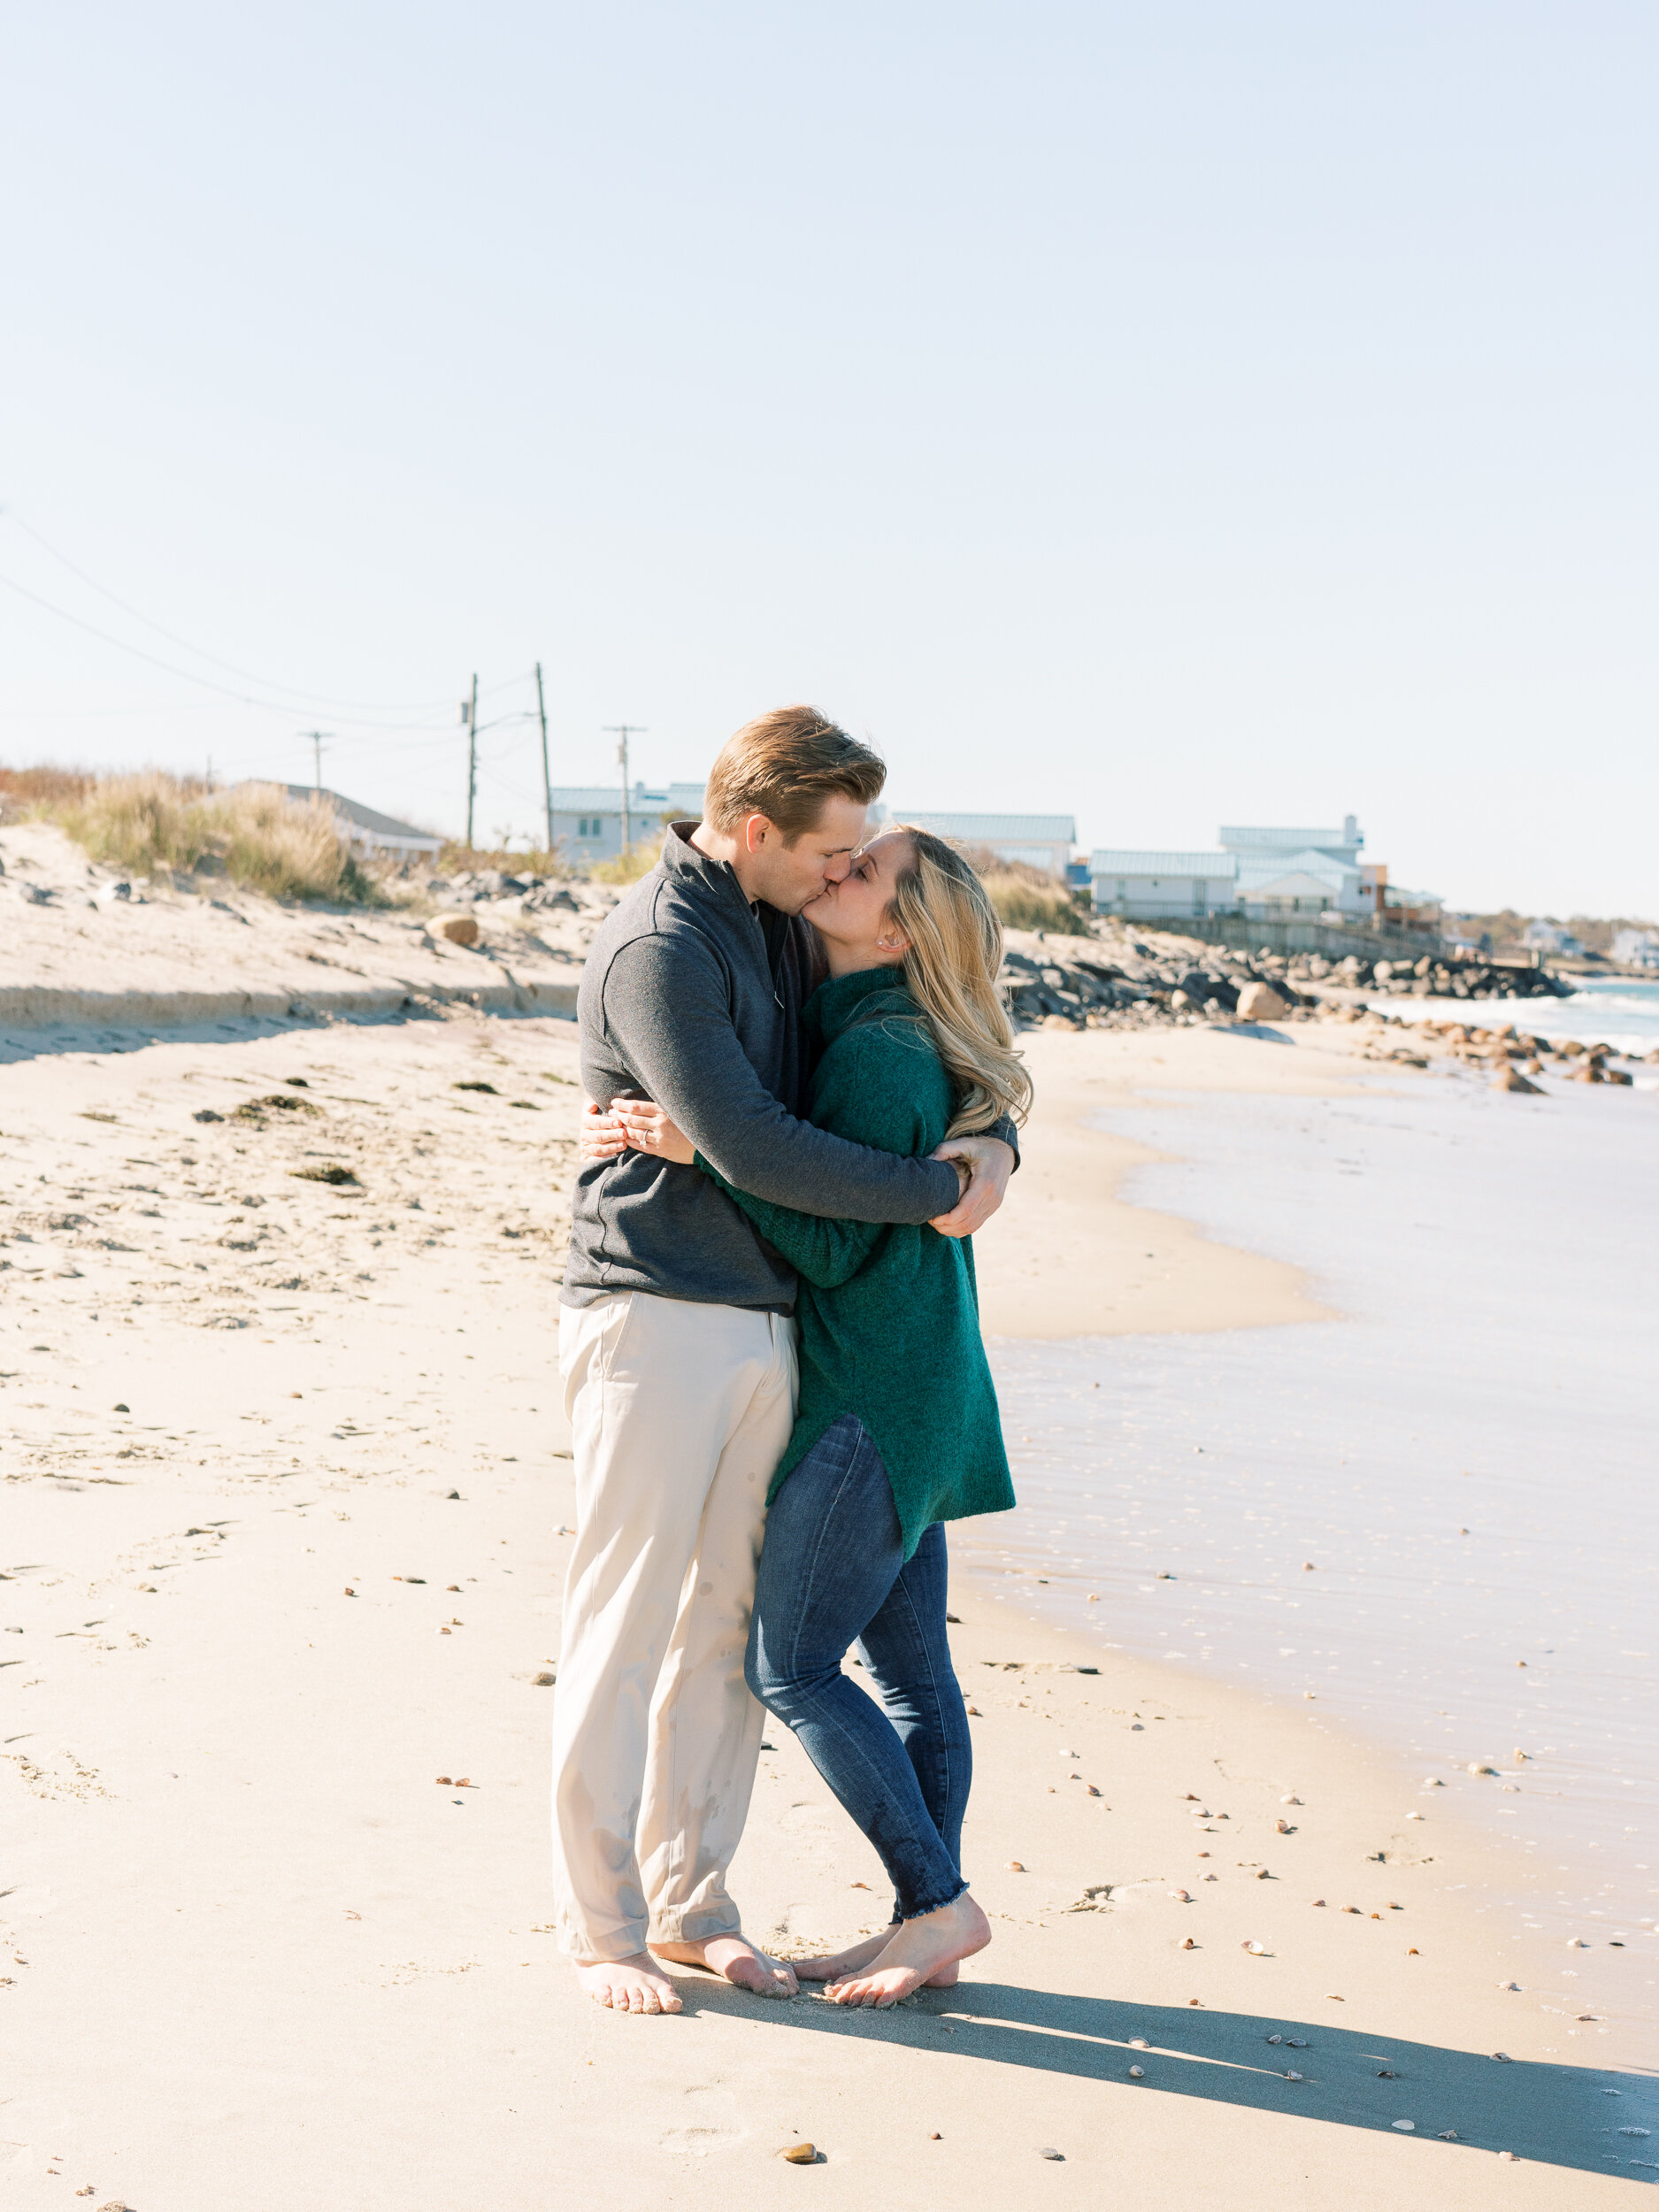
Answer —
(287, 1501)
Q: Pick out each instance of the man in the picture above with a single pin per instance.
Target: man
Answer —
(677, 1349)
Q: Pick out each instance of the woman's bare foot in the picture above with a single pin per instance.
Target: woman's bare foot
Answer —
(738, 1960)
(916, 1952)
(838, 1964)
(631, 1985)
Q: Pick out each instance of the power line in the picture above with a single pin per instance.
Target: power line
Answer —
(268, 683)
(261, 706)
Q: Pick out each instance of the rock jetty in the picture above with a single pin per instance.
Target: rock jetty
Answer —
(1116, 976)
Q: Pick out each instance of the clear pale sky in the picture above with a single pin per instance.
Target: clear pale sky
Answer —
(1172, 415)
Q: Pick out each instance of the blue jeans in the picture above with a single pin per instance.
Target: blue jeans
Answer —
(833, 1573)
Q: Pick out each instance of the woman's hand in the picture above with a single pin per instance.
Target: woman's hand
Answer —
(599, 1138)
(647, 1128)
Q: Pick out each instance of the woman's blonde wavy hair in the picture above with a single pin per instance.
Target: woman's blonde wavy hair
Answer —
(955, 950)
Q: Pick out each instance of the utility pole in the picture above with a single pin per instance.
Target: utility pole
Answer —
(546, 787)
(624, 731)
(469, 716)
(318, 739)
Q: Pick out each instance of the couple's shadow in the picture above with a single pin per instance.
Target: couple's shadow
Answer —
(1565, 2115)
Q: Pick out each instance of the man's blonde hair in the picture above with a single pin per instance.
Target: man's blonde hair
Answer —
(951, 968)
(785, 765)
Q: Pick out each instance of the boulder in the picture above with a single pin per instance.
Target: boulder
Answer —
(1260, 1003)
(1512, 1079)
(456, 929)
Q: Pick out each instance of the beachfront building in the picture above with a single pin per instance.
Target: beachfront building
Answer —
(1268, 874)
(587, 818)
(1550, 937)
(1284, 873)
(1636, 947)
(1040, 841)
(1149, 886)
(359, 825)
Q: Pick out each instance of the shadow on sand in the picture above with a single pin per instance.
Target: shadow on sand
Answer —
(1559, 2115)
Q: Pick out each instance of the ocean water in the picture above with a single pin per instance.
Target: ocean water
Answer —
(1611, 1011)
(1466, 1455)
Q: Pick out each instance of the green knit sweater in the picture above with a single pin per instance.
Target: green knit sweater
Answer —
(889, 1314)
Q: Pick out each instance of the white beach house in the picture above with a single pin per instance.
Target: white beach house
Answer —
(587, 818)
(1270, 874)
(1040, 841)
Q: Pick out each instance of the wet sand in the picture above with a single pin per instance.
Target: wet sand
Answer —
(258, 1952)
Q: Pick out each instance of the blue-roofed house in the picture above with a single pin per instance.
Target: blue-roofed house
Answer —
(1148, 886)
(587, 818)
(1040, 841)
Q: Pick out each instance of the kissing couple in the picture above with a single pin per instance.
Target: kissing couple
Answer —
(803, 1098)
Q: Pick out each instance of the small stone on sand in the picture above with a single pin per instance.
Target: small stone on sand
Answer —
(1137, 2073)
(1292, 2077)
(1014, 1867)
(1186, 1943)
(1405, 2126)
(800, 2155)
(1047, 2152)
(443, 1782)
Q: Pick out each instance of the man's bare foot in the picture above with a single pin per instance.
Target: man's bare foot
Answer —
(838, 1964)
(916, 1952)
(631, 1985)
(738, 1960)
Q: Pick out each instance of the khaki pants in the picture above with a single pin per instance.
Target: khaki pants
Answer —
(679, 1413)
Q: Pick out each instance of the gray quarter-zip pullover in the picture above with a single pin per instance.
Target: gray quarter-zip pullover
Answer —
(693, 997)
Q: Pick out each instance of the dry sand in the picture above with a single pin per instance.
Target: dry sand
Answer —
(204, 950)
(259, 1954)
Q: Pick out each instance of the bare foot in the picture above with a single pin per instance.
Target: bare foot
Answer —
(839, 1964)
(917, 1951)
(736, 1958)
(631, 1985)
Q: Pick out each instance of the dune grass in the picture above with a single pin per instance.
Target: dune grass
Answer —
(154, 824)
(628, 867)
(1024, 905)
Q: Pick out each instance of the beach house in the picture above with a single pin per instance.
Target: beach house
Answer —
(360, 824)
(1636, 947)
(1268, 874)
(1151, 886)
(1040, 841)
(1550, 937)
(587, 818)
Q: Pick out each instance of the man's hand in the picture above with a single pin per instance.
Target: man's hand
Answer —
(989, 1163)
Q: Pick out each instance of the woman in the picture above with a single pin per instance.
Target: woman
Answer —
(898, 1429)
